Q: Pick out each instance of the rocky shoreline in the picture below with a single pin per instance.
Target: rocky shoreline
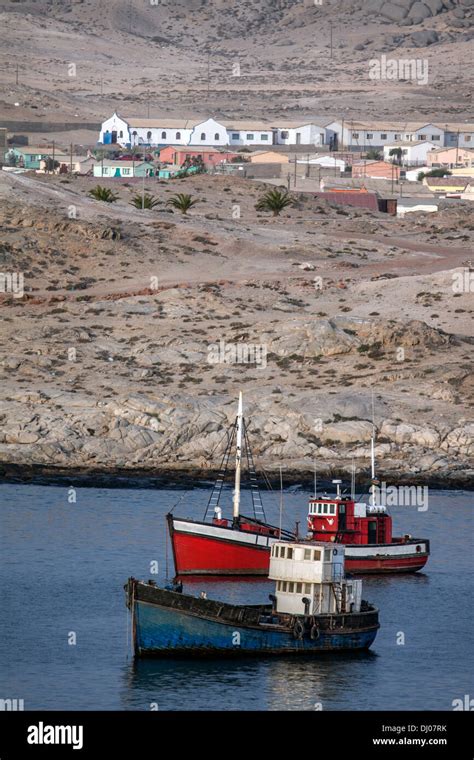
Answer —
(186, 477)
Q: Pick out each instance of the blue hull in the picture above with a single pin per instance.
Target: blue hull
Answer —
(163, 631)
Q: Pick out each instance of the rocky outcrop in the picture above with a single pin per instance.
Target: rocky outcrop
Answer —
(157, 433)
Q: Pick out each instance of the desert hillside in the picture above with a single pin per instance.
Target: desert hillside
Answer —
(248, 60)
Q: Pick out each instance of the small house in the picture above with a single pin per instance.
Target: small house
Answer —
(376, 170)
(413, 153)
(122, 169)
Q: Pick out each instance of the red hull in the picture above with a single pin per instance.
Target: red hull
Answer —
(225, 553)
(208, 556)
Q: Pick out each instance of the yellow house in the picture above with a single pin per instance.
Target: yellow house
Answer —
(268, 157)
(449, 185)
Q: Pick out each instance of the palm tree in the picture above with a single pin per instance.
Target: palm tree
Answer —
(274, 201)
(182, 201)
(398, 153)
(374, 154)
(144, 201)
(100, 193)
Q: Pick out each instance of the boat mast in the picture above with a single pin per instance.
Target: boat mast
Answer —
(238, 460)
(372, 456)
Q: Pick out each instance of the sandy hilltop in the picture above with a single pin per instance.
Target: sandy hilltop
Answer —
(111, 357)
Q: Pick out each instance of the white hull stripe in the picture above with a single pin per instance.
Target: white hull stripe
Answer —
(214, 531)
(255, 539)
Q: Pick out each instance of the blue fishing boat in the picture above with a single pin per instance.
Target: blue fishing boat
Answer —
(314, 609)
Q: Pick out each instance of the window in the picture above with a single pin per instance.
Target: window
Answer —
(235, 135)
(355, 135)
(282, 552)
(325, 509)
(369, 136)
(148, 135)
(284, 135)
(291, 587)
(435, 137)
(121, 133)
(278, 585)
(163, 135)
(317, 555)
(178, 136)
(249, 136)
(289, 554)
(327, 555)
(216, 136)
(299, 588)
(264, 137)
(467, 138)
(285, 585)
(125, 171)
(105, 170)
(307, 588)
(383, 136)
(203, 135)
(307, 554)
(422, 137)
(396, 137)
(332, 509)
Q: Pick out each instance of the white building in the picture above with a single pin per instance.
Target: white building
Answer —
(165, 131)
(297, 133)
(325, 161)
(356, 135)
(460, 135)
(413, 153)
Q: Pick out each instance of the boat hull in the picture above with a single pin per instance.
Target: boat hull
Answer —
(206, 549)
(162, 629)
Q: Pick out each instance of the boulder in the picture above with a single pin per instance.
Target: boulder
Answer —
(424, 38)
(419, 11)
(393, 12)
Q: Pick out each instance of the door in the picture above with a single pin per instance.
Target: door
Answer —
(298, 138)
(372, 532)
(117, 172)
(114, 136)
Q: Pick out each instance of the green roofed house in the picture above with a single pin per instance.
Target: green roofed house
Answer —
(119, 168)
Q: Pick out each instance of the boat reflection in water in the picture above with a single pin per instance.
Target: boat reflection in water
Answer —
(266, 683)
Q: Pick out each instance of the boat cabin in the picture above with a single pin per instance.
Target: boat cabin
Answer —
(310, 579)
(343, 520)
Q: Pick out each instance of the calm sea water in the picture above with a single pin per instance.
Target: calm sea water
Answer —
(62, 570)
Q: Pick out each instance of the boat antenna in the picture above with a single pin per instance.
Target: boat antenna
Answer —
(372, 455)
(353, 480)
(238, 460)
(281, 502)
(315, 481)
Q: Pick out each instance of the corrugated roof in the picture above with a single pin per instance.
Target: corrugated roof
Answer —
(196, 149)
(164, 122)
(453, 148)
(407, 143)
(448, 181)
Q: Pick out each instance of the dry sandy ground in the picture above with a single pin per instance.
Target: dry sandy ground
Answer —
(78, 62)
(140, 296)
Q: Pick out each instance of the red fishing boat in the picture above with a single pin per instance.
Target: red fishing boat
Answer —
(241, 545)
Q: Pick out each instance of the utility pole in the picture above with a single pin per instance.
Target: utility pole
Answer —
(16, 77)
(70, 160)
(54, 153)
(296, 163)
(143, 186)
(208, 71)
(288, 181)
